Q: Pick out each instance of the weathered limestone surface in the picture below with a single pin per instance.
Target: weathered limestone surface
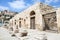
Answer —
(25, 18)
(58, 18)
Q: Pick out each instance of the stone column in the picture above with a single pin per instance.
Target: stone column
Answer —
(39, 20)
(58, 19)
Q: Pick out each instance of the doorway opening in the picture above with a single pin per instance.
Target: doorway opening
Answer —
(32, 20)
(32, 23)
(50, 21)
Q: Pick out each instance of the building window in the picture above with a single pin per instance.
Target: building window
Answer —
(19, 18)
(15, 22)
(24, 21)
(0, 15)
(49, 19)
(20, 24)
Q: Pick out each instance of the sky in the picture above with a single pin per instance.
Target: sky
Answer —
(19, 5)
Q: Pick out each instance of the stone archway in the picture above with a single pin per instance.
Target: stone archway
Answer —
(32, 20)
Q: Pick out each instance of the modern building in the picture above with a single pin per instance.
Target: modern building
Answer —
(39, 16)
(5, 16)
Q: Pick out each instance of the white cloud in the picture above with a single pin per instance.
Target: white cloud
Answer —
(18, 4)
(54, 6)
(4, 8)
(50, 1)
(56, 0)
(36, 1)
(21, 4)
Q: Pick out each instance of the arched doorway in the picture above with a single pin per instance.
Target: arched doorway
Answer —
(32, 20)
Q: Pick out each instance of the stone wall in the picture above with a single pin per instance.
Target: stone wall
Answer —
(39, 20)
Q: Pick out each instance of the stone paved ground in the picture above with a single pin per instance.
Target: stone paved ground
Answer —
(32, 35)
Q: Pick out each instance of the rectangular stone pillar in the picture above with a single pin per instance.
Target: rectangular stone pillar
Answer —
(39, 20)
(58, 19)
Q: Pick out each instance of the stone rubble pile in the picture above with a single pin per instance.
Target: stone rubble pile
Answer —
(30, 34)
